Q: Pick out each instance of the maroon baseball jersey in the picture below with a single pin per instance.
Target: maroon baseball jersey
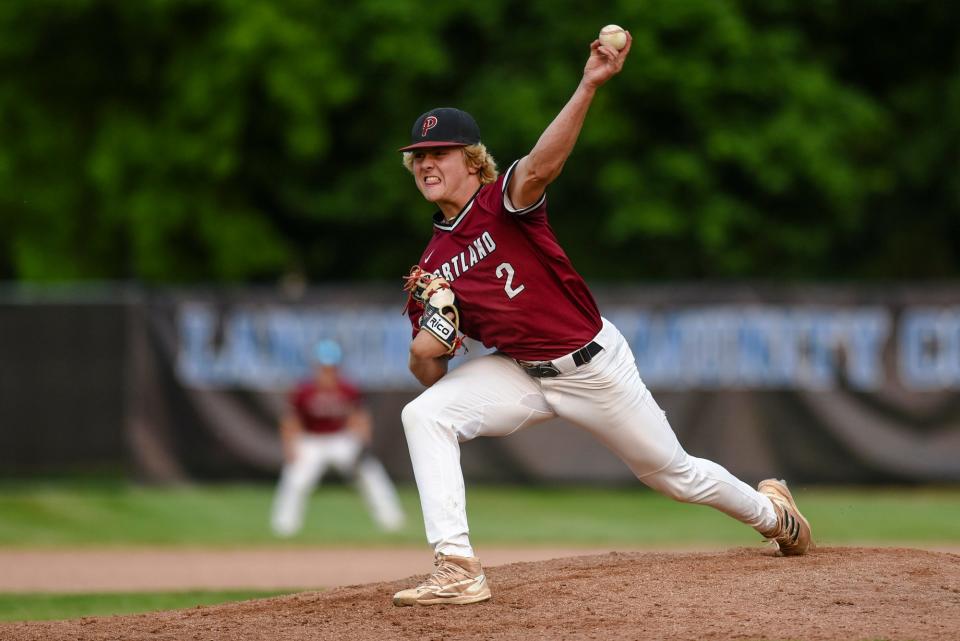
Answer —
(322, 410)
(516, 289)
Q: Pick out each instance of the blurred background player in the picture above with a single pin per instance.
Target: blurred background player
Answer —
(328, 426)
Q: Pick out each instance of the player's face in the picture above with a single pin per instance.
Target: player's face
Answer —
(442, 174)
(325, 374)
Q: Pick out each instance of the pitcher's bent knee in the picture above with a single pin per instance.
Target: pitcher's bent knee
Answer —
(410, 415)
(418, 414)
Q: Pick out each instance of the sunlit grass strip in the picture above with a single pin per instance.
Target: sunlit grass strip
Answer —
(62, 514)
(41, 606)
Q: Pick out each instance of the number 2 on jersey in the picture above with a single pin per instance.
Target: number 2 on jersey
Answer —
(508, 286)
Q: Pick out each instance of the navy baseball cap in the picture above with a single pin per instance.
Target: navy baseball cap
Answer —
(444, 127)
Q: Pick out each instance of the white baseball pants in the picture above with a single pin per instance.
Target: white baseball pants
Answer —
(493, 396)
(316, 453)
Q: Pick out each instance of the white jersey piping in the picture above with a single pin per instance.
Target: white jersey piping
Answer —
(456, 221)
(506, 195)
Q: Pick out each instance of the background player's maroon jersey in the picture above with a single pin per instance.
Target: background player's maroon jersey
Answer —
(516, 289)
(323, 410)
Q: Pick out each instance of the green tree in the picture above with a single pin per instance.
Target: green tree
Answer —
(229, 140)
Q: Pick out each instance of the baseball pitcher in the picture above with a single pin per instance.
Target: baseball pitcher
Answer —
(494, 270)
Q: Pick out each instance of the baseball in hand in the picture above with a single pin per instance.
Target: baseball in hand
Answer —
(613, 36)
(442, 298)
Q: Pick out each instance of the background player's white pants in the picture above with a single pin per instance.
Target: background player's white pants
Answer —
(493, 396)
(316, 453)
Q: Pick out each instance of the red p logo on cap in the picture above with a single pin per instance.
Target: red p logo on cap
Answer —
(428, 123)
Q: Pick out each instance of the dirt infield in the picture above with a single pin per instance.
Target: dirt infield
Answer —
(830, 594)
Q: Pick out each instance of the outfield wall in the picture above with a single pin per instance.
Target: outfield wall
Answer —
(822, 384)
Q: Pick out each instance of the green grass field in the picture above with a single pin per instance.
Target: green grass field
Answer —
(36, 607)
(59, 514)
(55, 514)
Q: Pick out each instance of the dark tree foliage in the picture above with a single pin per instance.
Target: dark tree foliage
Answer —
(238, 141)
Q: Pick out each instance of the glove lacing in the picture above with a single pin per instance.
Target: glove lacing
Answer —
(410, 286)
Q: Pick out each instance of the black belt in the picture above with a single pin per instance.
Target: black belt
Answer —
(547, 369)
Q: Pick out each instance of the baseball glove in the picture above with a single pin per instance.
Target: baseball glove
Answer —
(440, 314)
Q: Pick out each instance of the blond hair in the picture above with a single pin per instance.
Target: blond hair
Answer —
(475, 155)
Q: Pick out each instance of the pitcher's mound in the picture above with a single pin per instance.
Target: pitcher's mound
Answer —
(832, 593)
